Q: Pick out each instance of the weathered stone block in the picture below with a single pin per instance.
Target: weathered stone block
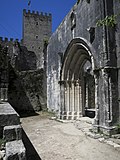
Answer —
(8, 116)
(15, 150)
(11, 133)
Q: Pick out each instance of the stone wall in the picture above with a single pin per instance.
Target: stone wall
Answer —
(26, 91)
(26, 85)
(78, 28)
(87, 15)
(117, 12)
(25, 60)
(19, 57)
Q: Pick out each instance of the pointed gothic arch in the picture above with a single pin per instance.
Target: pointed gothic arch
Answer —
(77, 80)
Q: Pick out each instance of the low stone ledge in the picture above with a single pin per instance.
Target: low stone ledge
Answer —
(15, 150)
(8, 116)
(11, 133)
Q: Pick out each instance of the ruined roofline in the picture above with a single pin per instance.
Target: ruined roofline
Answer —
(5, 39)
(37, 13)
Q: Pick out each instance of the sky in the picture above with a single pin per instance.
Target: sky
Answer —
(11, 12)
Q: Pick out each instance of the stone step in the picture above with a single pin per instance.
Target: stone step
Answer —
(8, 116)
(15, 150)
(11, 133)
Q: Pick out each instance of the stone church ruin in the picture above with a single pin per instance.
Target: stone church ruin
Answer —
(83, 79)
(73, 72)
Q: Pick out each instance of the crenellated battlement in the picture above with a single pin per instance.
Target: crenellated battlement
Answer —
(37, 26)
(5, 39)
(36, 13)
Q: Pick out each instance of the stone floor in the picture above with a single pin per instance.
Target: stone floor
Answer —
(54, 140)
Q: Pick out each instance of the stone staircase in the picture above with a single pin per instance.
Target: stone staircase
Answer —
(11, 132)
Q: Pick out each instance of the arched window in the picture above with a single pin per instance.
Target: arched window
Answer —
(73, 23)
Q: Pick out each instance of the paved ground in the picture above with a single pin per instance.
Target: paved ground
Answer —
(54, 140)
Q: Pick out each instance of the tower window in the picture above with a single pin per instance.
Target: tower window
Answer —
(36, 36)
(73, 24)
(37, 23)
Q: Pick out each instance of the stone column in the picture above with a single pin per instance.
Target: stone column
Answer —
(67, 99)
(111, 95)
(72, 99)
(83, 96)
(107, 92)
(96, 119)
(109, 108)
(86, 96)
(80, 101)
(62, 99)
(77, 99)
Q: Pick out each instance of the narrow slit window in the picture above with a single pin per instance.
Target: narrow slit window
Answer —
(37, 23)
(73, 21)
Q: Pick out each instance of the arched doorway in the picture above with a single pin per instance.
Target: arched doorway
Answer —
(77, 84)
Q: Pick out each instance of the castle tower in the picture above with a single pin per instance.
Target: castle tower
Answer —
(37, 28)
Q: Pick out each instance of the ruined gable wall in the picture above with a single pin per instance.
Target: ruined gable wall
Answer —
(87, 15)
(26, 91)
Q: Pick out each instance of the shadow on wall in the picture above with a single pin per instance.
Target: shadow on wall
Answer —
(31, 153)
(21, 59)
(20, 97)
(26, 60)
(28, 114)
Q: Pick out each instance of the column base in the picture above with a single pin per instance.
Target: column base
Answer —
(108, 131)
(70, 115)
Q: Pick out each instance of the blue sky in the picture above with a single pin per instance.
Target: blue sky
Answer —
(11, 14)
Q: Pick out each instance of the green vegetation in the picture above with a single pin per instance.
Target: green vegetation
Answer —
(109, 21)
